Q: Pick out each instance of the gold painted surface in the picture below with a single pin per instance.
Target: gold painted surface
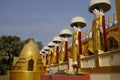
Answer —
(44, 60)
(113, 33)
(21, 69)
(113, 28)
(67, 71)
(30, 49)
(109, 53)
(115, 16)
(28, 75)
(62, 52)
(75, 46)
(49, 57)
(118, 15)
(54, 55)
(87, 46)
(97, 23)
(70, 50)
(109, 20)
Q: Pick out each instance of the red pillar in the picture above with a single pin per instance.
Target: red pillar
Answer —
(46, 59)
(57, 54)
(80, 43)
(66, 50)
(104, 33)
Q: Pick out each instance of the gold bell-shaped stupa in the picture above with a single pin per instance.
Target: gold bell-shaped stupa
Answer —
(29, 65)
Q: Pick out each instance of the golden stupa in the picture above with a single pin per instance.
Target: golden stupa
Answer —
(29, 65)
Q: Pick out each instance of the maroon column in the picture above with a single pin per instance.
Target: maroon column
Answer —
(46, 59)
(104, 33)
(66, 50)
(57, 54)
(79, 43)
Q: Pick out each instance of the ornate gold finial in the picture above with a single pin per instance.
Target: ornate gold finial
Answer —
(31, 38)
(115, 16)
(109, 20)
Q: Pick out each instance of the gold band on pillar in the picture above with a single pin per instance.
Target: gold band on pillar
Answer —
(118, 16)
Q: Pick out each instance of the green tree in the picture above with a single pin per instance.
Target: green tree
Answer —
(10, 44)
(13, 45)
(40, 45)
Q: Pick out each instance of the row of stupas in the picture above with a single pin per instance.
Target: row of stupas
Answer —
(85, 51)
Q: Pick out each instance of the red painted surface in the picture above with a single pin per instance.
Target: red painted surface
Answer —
(66, 51)
(65, 77)
(80, 43)
(104, 32)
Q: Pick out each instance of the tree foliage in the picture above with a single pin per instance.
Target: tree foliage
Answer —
(10, 44)
(13, 45)
(40, 45)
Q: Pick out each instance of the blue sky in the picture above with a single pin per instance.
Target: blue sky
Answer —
(44, 19)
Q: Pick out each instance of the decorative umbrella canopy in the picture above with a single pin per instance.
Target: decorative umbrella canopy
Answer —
(65, 33)
(46, 48)
(78, 22)
(42, 51)
(105, 5)
(51, 44)
(57, 39)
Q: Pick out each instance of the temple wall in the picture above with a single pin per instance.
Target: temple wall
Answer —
(101, 76)
(105, 61)
(63, 66)
(87, 62)
(55, 68)
(115, 76)
(105, 76)
(110, 60)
